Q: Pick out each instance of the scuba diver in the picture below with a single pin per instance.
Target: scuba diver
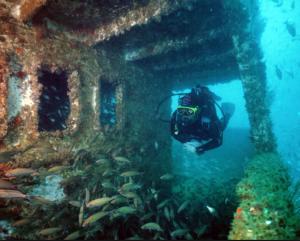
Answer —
(196, 119)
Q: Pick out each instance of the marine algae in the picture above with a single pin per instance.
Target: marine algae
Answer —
(265, 210)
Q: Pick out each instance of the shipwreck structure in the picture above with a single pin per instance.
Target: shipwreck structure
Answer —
(80, 76)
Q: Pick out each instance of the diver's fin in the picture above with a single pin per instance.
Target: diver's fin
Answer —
(228, 108)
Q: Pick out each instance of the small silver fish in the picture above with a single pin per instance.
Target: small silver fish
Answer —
(179, 233)
(46, 97)
(73, 236)
(167, 177)
(10, 194)
(126, 210)
(20, 172)
(172, 214)
(183, 206)
(108, 185)
(81, 213)
(278, 72)
(293, 5)
(167, 213)
(53, 88)
(212, 210)
(87, 195)
(291, 28)
(152, 226)
(49, 231)
(130, 173)
(75, 204)
(99, 202)
(129, 187)
(102, 161)
(6, 185)
(121, 159)
(163, 203)
(200, 230)
(94, 218)
(156, 145)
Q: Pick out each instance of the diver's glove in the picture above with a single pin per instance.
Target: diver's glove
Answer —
(200, 150)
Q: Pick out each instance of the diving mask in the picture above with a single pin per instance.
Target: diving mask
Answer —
(187, 114)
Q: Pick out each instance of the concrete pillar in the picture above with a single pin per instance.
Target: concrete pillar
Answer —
(253, 77)
(150, 136)
(252, 72)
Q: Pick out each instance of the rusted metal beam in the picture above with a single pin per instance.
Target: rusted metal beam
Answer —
(154, 10)
(171, 44)
(216, 60)
(253, 76)
(185, 79)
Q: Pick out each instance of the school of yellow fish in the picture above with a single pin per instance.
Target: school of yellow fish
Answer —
(108, 195)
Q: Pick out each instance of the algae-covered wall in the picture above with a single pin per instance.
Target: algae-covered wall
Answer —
(25, 51)
(28, 50)
(266, 209)
(141, 93)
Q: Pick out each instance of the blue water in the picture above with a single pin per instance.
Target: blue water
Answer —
(226, 161)
(282, 49)
(281, 55)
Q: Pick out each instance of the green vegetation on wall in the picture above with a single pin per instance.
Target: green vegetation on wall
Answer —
(266, 210)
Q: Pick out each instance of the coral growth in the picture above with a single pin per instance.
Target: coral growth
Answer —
(266, 209)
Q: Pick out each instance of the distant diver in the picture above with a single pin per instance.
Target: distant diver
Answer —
(196, 119)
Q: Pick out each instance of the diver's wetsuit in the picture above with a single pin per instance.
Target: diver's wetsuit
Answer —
(210, 130)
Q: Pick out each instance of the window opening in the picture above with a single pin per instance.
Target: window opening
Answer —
(107, 104)
(54, 106)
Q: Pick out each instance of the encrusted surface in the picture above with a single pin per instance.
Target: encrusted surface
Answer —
(253, 76)
(3, 96)
(23, 10)
(27, 50)
(266, 210)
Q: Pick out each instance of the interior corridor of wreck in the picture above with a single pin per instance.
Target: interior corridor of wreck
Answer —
(83, 152)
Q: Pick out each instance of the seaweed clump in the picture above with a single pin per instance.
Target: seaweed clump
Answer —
(266, 210)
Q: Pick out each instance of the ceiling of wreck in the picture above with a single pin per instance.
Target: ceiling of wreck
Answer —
(76, 14)
(189, 43)
(184, 39)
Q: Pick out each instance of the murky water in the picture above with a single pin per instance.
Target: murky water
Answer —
(106, 167)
